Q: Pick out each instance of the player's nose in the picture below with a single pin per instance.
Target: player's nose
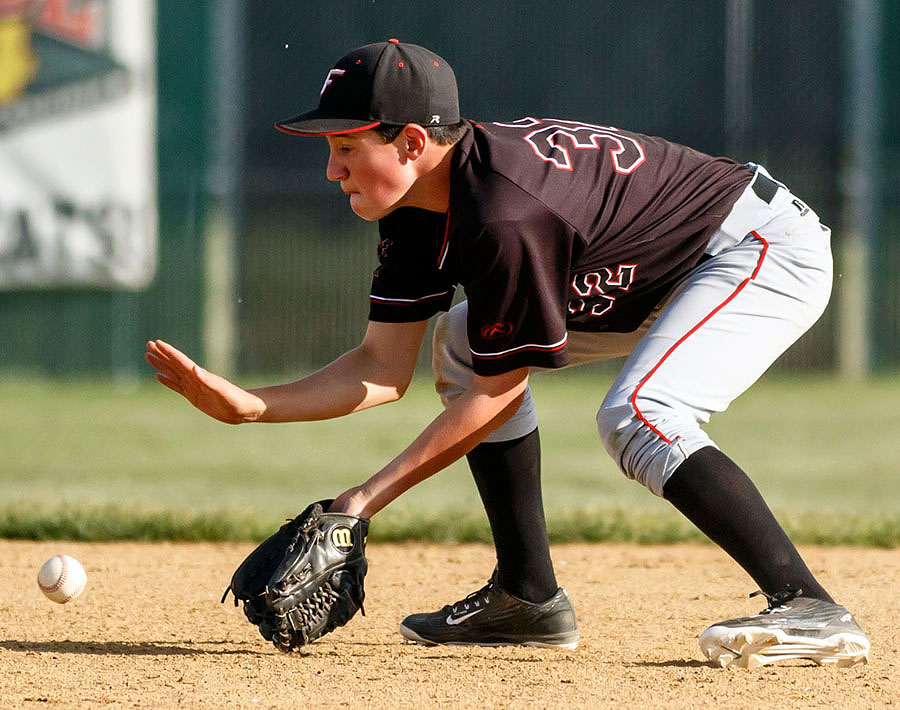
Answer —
(335, 170)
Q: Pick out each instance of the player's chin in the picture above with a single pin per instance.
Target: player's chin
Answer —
(364, 209)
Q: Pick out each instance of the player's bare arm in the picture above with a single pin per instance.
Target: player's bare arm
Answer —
(489, 403)
(376, 372)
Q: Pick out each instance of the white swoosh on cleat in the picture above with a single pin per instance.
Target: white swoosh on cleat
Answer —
(459, 619)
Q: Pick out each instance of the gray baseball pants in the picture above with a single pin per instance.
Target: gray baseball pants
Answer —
(766, 280)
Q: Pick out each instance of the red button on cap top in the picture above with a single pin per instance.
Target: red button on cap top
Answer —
(394, 41)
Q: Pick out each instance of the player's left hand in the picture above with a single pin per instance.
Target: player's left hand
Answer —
(351, 502)
(306, 579)
(208, 392)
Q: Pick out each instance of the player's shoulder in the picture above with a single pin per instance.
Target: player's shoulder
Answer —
(499, 183)
(492, 170)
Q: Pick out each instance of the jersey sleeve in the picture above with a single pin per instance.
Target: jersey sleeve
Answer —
(408, 284)
(517, 296)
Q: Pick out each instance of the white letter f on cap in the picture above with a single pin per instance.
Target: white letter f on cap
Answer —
(331, 73)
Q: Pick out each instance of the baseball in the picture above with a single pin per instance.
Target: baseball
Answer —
(62, 578)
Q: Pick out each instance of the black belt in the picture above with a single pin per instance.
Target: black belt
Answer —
(764, 187)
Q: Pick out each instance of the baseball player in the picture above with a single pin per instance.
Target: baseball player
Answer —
(574, 242)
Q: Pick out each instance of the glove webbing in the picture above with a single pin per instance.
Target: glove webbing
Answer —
(311, 612)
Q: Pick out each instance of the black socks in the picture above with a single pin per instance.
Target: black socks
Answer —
(508, 476)
(708, 488)
(719, 498)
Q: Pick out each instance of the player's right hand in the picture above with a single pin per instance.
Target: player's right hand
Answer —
(210, 393)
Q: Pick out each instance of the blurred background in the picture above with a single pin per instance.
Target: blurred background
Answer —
(145, 193)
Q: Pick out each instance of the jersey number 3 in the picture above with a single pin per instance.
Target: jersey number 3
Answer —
(552, 140)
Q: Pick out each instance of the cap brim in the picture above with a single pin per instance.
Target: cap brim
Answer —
(313, 123)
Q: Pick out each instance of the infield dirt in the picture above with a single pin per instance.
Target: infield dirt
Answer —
(149, 632)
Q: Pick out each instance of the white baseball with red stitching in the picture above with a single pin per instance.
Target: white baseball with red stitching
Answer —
(62, 578)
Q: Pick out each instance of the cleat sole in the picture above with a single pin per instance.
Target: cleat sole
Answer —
(756, 646)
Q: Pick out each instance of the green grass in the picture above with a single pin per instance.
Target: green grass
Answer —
(98, 461)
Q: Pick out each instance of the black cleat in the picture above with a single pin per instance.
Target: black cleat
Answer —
(492, 617)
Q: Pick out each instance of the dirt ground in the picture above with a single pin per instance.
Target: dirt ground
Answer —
(149, 631)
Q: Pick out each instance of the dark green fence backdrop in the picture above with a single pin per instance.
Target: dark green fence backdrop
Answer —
(303, 260)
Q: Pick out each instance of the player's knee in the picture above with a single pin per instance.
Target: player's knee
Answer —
(639, 449)
(613, 423)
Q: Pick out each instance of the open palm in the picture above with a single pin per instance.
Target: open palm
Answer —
(208, 392)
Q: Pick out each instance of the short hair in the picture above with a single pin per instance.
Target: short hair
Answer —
(442, 135)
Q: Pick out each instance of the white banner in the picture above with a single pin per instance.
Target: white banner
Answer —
(77, 144)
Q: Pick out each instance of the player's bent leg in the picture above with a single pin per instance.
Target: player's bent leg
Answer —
(722, 329)
(507, 470)
(493, 617)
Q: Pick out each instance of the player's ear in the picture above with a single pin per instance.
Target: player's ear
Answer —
(415, 140)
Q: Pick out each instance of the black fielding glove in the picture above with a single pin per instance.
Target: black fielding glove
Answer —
(306, 579)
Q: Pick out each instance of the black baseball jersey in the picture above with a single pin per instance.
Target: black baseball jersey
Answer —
(553, 226)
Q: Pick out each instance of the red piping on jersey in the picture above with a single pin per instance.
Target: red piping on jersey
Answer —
(285, 129)
(443, 253)
(741, 286)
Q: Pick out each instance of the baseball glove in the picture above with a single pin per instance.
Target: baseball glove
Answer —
(306, 579)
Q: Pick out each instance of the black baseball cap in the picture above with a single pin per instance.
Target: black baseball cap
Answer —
(386, 82)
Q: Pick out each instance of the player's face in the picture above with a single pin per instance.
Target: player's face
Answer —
(373, 173)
